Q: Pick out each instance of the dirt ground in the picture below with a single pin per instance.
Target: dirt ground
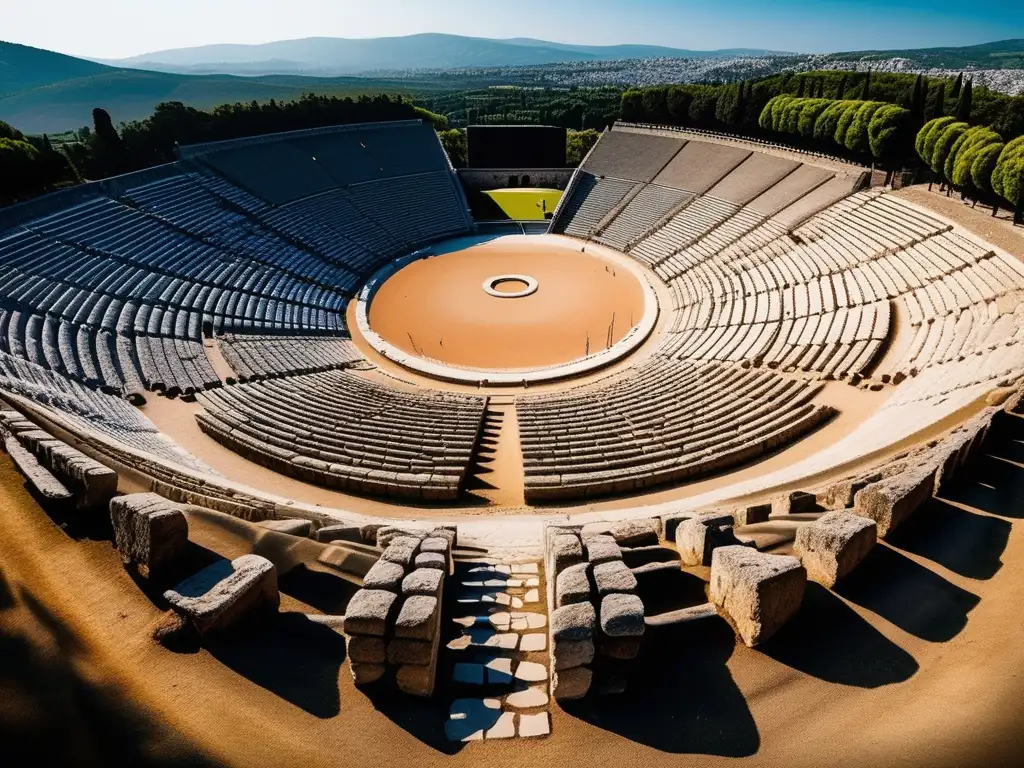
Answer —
(437, 308)
(915, 660)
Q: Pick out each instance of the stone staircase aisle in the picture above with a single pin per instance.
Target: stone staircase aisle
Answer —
(495, 477)
(496, 651)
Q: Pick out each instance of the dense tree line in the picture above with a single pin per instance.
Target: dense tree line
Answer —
(974, 160)
(738, 108)
(573, 108)
(30, 166)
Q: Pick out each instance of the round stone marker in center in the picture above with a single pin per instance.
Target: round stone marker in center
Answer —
(510, 286)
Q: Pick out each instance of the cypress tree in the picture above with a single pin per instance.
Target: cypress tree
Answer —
(963, 106)
(957, 85)
(917, 102)
(841, 91)
(940, 100)
(866, 95)
(800, 89)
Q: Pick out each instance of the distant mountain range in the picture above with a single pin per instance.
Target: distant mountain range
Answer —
(43, 91)
(331, 56)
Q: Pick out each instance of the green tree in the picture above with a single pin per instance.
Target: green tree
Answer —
(940, 101)
(841, 90)
(957, 85)
(857, 135)
(929, 134)
(984, 164)
(944, 145)
(961, 160)
(456, 145)
(963, 106)
(809, 114)
(578, 144)
(888, 130)
(845, 121)
(866, 93)
(678, 102)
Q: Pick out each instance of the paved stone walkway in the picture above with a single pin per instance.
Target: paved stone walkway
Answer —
(499, 652)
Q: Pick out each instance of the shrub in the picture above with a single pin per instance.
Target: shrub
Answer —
(984, 164)
(961, 161)
(887, 131)
(944, 144)
(857, 135)
(930, 134)
(845, 121)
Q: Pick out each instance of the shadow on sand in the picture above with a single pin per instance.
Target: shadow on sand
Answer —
(57, 707)
(964, 542)
(827, 639)
(908, 595)
(290, 656)
(697, 707)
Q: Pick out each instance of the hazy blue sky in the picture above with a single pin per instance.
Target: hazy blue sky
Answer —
(118, 28)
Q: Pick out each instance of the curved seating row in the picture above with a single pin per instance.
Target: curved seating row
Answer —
(341, 430)
(665, 421)
(260, 357)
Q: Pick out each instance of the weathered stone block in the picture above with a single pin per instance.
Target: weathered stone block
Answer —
(571, 683)
(433, 560)
(573, 622)
(698, 536)
(385, 534)
(384, 575)
(612, 577)
(368, 612)
(755, 592)
(892, 500)
(622, 615)
(150, 533)
(402, 651)
(415, 680)
(794, 502)
(601, 549)
(364, 674)
(637, 533)
(225, 593)
(832, 546)
(367, 650)
(423, 581)
(572, 653)
(417, 620)
(566, 550)
(750, 514)
(573, 585)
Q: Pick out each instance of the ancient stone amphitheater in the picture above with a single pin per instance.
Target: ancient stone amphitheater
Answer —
(194, 348)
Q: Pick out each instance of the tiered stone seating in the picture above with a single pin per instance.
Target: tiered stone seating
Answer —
(117, 288)
(259, 357)
(89, 411)
(338, 429)
(664, 422)
(592, 199)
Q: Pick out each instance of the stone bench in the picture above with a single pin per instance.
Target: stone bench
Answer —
(892, 500)
(832, 546)
(755, 592)
(150, 533)
(39, 477)
(226, 593)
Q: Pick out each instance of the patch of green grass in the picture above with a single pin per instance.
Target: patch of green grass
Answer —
(526, 204)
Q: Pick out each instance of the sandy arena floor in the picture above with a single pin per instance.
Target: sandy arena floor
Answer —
(437, 308)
